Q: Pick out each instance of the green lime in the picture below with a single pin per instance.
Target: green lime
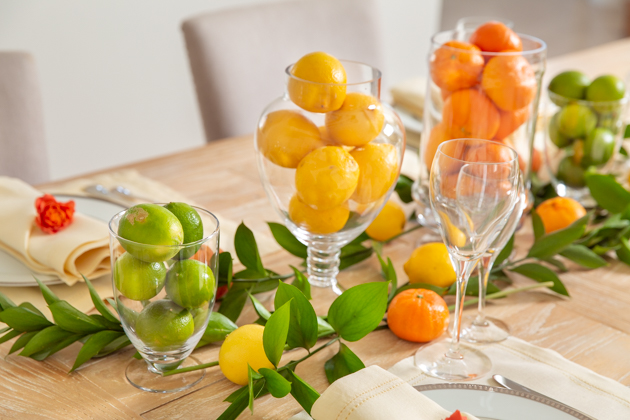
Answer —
(137, 279)
(606, 88)
(570, 173)
(576, 120)
(164, 324)
(128, 315)
(555, 135)
(192, 225)
(570, 84)
(190, 283)
(599, 147)
(152, 225)
(200, 317)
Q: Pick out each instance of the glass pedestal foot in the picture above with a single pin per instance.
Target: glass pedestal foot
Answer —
(141, 375)
(438, 361)
(491, 331)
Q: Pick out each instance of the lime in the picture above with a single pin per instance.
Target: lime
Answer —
(190, 283)
(192, 225)
(576, 120)
(152, 225)
(606, 88)
(570, 84)
(599, 147)
(555, 135)
(128, 315)
(570, 173)
(200, 317)
(163, 324)
(137, 279)
(242, 347)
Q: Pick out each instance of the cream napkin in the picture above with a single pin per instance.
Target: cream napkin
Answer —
(375, 394)
(82, 247)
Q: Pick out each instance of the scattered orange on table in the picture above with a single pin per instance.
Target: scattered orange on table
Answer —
(470, 113)
(494, 36)
(418, 315)
(456, 65)
(559, 212)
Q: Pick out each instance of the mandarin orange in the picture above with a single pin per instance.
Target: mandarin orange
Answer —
(469, 113)
(417, 315)
(439, 134)
(559, 212)
(509, 81)
(456, 65)
(496, 37)
(510, 121)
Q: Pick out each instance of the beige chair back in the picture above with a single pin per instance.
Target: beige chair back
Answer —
(238, 56)
(22, 143)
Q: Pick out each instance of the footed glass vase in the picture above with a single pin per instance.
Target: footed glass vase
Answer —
(329, 155)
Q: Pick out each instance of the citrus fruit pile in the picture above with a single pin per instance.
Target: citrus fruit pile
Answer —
(336, 163)
(486, 96)
(156, 258)
(586, 125)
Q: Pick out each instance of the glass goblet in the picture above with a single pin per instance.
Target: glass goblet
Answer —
(474, 188)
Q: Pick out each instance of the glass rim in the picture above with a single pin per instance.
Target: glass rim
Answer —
(376, 78)
(540, 49)
(467, 162)
(587, 102)
(201, 241)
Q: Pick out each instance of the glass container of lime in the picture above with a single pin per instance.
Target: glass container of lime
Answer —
(164, 274)
(584, 130)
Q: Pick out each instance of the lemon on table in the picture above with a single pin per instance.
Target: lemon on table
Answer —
(319, 222)
(388, 223)
(570, 84)
(163, 324)
(190, 283)
(191, 224)
(242, 347)
(137, 279)
(378, 169)
(152, 225)
(318, 84)
(430, 264)
(606, 88)
(359, 120)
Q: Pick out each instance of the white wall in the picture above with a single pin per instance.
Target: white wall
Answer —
(115, 78)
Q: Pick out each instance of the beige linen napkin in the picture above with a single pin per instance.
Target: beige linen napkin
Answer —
(82, 247)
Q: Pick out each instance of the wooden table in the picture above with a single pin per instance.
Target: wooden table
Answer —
(592, 328)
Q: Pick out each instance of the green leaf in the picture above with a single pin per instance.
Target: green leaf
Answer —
(303, 393)
(323, 328)
(505, 252)
(623, 252)
(286, 240)
(117, 344)
(45, 338)
(71, 319)
(240, 399)
(550, 244)
(22, 341)
(583, 256)
(341, 364)
(93, 345)
(403, 188)
(358, 310)
(49, 296)
(99, 304)
(23, 319)
(233, 303)
(31, 308)
(247, 249)
(439, 290)
(537, 224)
(609, 194)
(275, 334)
(301, 282)
(557, 263)
(251, 376)
(303, 323)
(277, 385)
(41, 355)
(542, 274)
(225, 268)
(356, 258)
(390, 274)
(8, 336)
(259, 307)
(219, 326)
(5, 302)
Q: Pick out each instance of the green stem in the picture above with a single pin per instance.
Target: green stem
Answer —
(504, 293)
(190, 368)
(281, 277)
(295, 362)
(403, 233)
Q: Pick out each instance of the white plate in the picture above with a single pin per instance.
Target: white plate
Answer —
(15, 274)
(490, 403)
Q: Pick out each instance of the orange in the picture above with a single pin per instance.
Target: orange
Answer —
(536, 160)
(509, 81)
(417, 315)
(496, 37)
(320, 222)
(469, 113)
(389, 222)
(359, 120)
(510, 121)
(439, 134)
(285, 137)
(559, 212)
(318, 84)
(378, 170)
(456, 65)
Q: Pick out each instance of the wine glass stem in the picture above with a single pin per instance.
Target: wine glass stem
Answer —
(322, 264)
(485, 266)
(463, 270)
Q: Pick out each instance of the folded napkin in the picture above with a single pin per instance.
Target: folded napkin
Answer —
(375, 394)
(81, 248)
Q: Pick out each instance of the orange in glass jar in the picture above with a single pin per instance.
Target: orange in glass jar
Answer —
(456, 65)
(509, 81)
(439, 134)
(468, 113)
(494, 36)
(510, 121)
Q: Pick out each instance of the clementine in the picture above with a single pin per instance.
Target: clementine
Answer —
(418, 315)
(509, 81)
(456, 65)
(496, 37)
(510, 121)
(469, 113)
(536, 160)
(439, 134)
(559, 212)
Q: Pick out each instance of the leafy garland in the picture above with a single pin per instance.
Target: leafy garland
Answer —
(294, 324)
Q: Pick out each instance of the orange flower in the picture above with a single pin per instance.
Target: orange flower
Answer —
(53, 216)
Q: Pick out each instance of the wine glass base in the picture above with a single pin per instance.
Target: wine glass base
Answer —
(139, 375)
(434, 361)
(492, 331)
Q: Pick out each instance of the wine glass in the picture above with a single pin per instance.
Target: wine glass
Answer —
(474, 188)
(481, 329)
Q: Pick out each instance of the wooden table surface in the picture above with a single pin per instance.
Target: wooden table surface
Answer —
(592, 328)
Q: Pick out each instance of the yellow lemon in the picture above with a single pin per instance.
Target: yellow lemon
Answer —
(430, 264)
(285, 137)
(317, 221)
(378, 166)
(455, 235)
(389, 222)
(359, 120)
(318, 83)
(243, 346)
(326, 178)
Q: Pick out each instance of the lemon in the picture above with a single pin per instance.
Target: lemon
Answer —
(389, 222)
(137, 279)
(190, 283)
(163, 324)
(378, 169)
(454, 234)
(317, 221)
(192, 226)
(359, 120)
(326, 177)
(318, 82)
(242, 347)
(430, 264)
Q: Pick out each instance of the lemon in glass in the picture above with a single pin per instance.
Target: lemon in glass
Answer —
(378, 170)
(163, 324)
(137, 279)
(359, 120)
(317, 221)
(190, 283)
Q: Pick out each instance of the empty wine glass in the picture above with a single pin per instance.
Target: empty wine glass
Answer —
(474, 188)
